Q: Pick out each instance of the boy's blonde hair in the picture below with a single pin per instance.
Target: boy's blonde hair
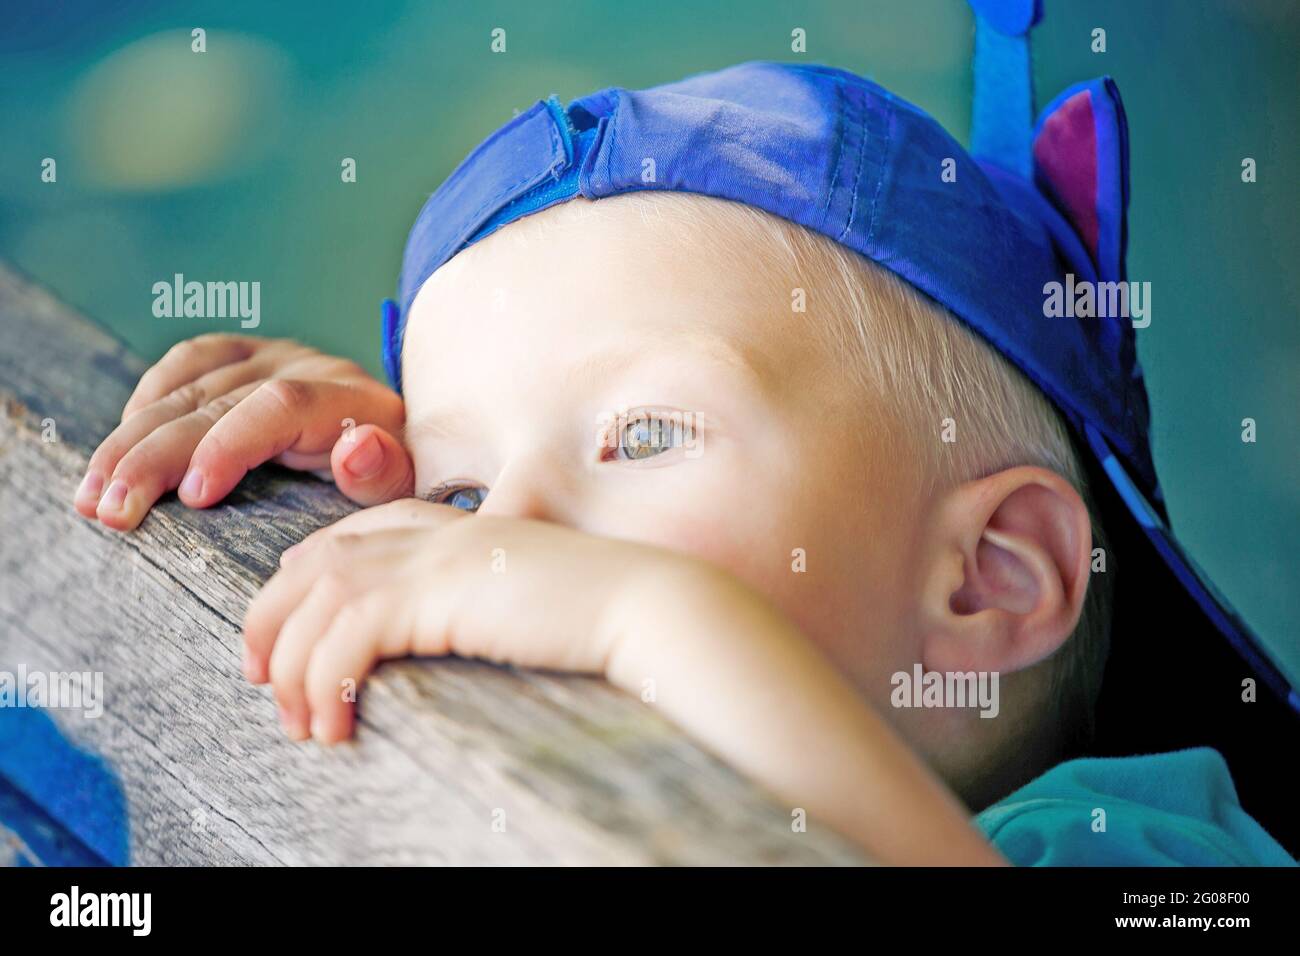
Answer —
(904, 348)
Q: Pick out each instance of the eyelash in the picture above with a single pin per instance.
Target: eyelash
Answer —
(440, 493)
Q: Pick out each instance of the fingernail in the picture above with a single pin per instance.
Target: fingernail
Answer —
(192, 486)
(114, 497)
(293, 727)
(90, 487)
(289, 553)
(247, 664)
(318, 729)
(366, 459)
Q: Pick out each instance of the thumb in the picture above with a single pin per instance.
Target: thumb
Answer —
(371, 467)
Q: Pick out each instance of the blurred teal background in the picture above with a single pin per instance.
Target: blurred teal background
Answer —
(226, 166)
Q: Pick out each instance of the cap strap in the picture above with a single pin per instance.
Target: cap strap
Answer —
(1003, 112)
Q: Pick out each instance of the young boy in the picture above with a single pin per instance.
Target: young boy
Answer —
(749, 386)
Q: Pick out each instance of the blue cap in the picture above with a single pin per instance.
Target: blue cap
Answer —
(984, 233)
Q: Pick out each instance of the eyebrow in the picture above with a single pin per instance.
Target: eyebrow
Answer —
(712, 347)
(443, 421)
(450, 418)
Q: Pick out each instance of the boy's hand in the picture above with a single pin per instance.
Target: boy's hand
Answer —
(712, 655)
(218, 405)
(415, 578)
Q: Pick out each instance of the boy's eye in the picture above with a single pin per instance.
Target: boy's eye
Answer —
(464, 497)
(645, 437)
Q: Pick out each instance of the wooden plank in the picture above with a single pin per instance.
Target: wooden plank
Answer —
(578, 772)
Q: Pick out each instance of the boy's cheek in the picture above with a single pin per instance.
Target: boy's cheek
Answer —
(836, 579)
(798, 569)
(704, 537)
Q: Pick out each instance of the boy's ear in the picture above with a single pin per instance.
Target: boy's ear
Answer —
(1006, 570)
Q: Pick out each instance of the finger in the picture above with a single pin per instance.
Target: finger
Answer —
(373, 627)
(301, 631)
(156, 464)
(371, 467)
(182, 401)
(185, 362)
(318, 463)
(281, 415)
(288, 587)
(405, 513)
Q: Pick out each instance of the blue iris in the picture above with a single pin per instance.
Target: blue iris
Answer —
(466, 499)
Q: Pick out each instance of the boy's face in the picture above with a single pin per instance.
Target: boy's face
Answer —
(620, 376)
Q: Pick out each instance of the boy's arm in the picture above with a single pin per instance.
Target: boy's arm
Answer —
(740, 677)
(417, 578)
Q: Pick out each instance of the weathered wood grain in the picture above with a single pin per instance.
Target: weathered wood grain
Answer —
(582, 773)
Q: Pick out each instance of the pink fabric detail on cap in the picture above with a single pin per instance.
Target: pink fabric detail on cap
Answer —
(1066, 154)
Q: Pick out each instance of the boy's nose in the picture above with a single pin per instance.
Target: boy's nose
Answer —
(528, 490)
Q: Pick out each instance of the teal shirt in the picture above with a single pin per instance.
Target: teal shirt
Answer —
(1171, 809)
